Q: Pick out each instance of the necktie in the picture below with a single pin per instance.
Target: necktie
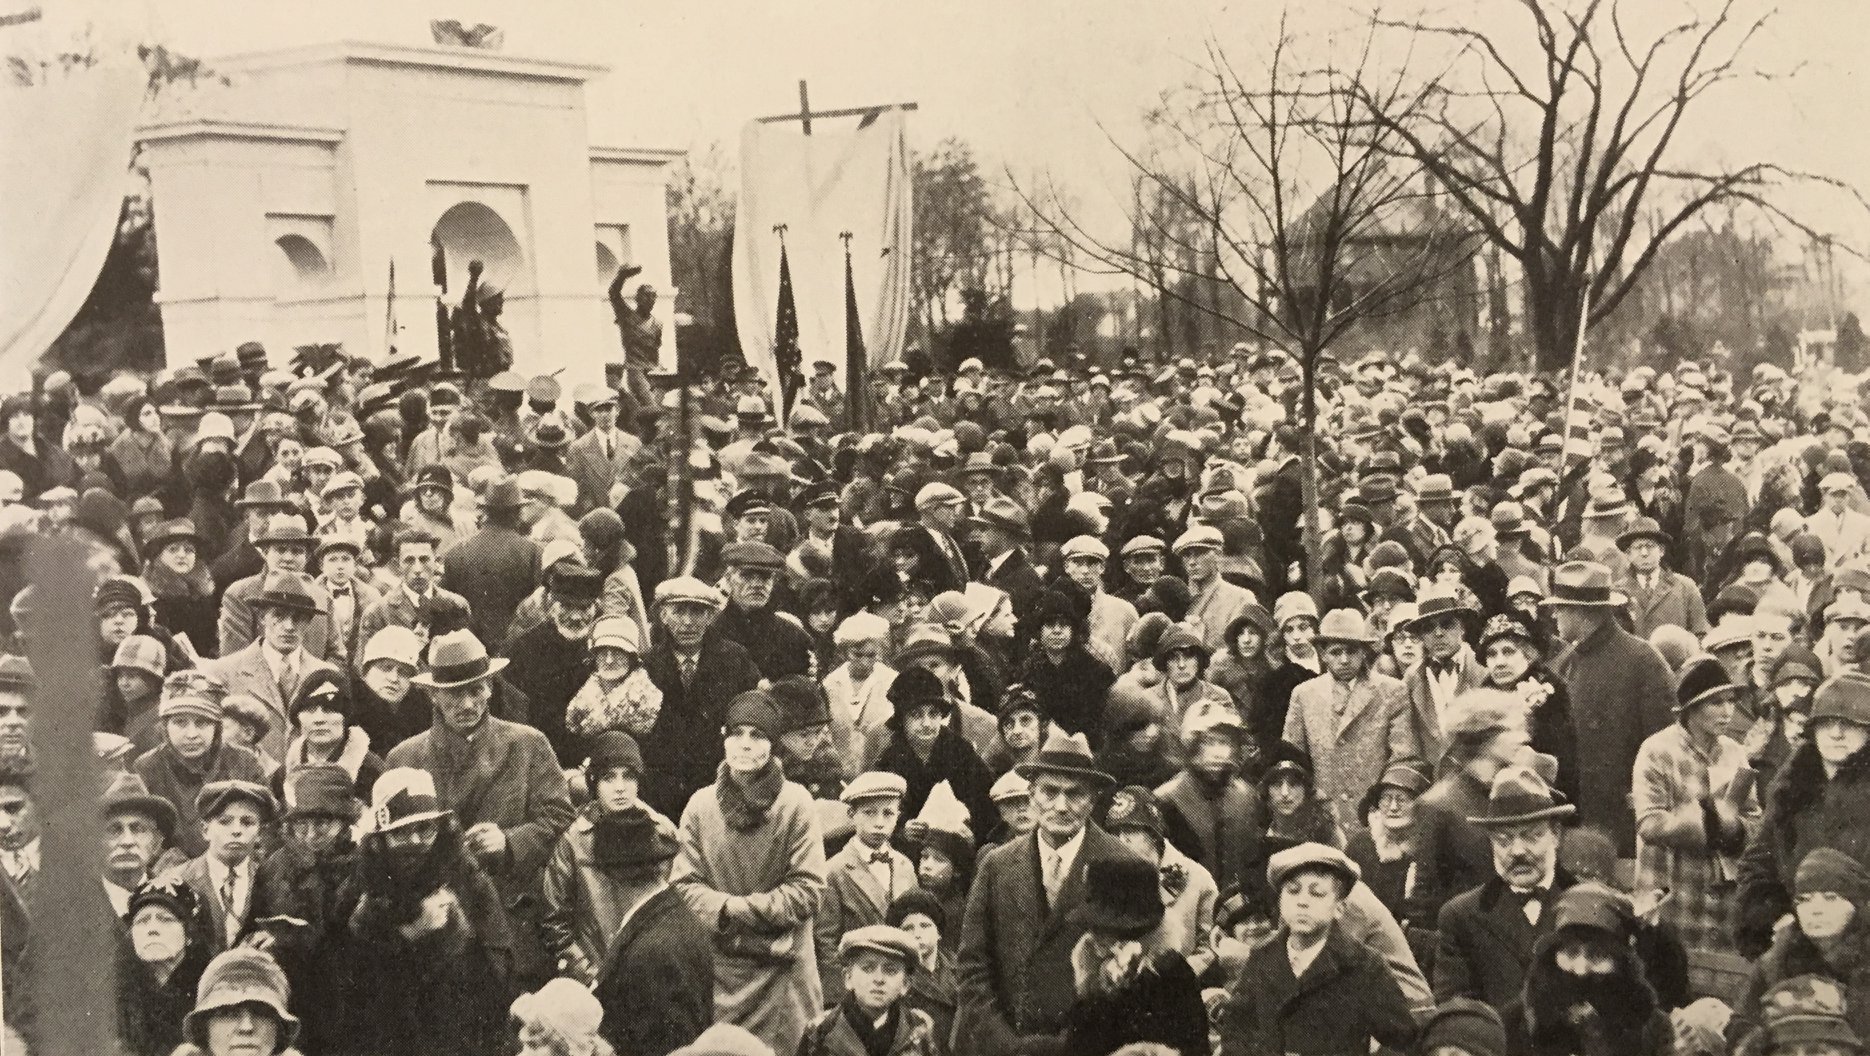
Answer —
(688, 671)
(19, 869)
(603, 443)
(230, 919)
(288, 680)
(1050, 875)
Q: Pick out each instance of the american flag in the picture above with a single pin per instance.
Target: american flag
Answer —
(1580, 423)
(786, 356)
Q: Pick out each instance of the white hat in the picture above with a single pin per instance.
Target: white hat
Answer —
(1010, 786)
(404, 796)
(1837, 482)
(936, 494)
(1199, 535)
(215, 426)
(394, 642)
(1085, 546)
(861, 627)
(616, 632)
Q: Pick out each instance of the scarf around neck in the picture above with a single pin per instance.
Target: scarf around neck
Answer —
(745, 801)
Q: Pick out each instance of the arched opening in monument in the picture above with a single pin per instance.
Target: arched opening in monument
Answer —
(471, 231)
(301, 264)
(606, 265)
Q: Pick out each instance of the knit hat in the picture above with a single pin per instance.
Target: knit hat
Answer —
(753, 708)
(724, 1039)
(189, 699)
(242, 976)
(1462, 1023)
(140, 652)
(1830, 870)
(116, 592)
(564, 1009)
(1808, 1010)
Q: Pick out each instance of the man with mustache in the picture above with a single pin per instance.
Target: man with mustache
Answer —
(552, 661)
(1488, 933)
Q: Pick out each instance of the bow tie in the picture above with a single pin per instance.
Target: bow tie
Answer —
(881, 856)
(339, 592)
(1440, 667)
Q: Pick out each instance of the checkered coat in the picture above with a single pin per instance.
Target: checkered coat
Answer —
(1669, 773)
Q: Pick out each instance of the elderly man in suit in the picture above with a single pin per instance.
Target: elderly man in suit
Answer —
(1351, 720)
(1658, 597)
(939, 506)
(409, 605)
(1487, 934)
(285, 546)
(596, 460)
(699, 672)
(272, 667)
(1446, 624)
(501, 780)
(496, 567)
(1014, 968)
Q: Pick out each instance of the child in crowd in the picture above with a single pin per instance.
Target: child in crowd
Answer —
(1290, 810)
(244, 723)
(1012, 797)
(225, 874)
(560, 1019)
(1309, 990)
(866, 874)
(876, 963)
(137, 672)
(932, 987)
(193, 754)
(926, 746)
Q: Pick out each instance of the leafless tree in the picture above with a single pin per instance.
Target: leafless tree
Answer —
(956, 221)
(1303, 204)
(1558, 140)
(701, 233)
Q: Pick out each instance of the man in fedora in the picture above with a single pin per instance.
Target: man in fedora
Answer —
(138, 825)
(1003, 531)
(1446, 623)
(698, 671)
(500, 779)
(1014, 970)
(1422, 531)
(496, 567)
(258, 505)
(1351, 720)
(779, 646)
(1621, 691)
(1658, 596)
(285, 546)
(273, 666)
(1486, 935)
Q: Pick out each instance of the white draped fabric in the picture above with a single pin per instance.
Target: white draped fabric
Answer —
(63, 173)
(840, 178)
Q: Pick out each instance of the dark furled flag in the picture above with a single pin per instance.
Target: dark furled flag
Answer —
(786, 355)
(855, 396)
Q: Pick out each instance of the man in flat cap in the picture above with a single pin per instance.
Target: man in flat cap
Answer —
(778, 644)
(940, 509)
(698, 671)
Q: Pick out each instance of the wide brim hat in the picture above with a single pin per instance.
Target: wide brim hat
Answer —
(458, 659)
(1643, 528)
(924, 640)
(285, 528)
(1433, 605)
(1585, 584)
(287, 590)
(1068, 755)
(1346, 625)
(404, 796)
(1123, 897)
(1704, 680)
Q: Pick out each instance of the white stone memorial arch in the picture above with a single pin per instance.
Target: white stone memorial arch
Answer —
(281, 198)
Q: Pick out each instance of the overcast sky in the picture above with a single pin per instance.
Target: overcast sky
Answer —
(1033, 84)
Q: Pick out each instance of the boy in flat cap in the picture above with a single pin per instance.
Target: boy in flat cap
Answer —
(867, 874)
(876, 963)
(224, 875)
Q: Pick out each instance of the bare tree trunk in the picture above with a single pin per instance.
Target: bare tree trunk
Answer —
(1308, 475)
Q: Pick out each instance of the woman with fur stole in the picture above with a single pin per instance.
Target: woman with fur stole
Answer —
(434, 952)
(1820, 798)
(1586, 993)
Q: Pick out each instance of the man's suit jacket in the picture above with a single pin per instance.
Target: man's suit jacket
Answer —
(1485, 943)
(1674, 601)
(683, 749)
(1014, 969)
(854, 899)
(494, 569)
(394, 609)
(1846, 536)
(240, 624)
(195, 875)
(345, 648)
(1377, 728)
(1422, 710)
(657, 980)
(586, 463)
(246, 671)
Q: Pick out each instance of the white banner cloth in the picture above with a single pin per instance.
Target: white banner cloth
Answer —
(839, 178)
(63, 172)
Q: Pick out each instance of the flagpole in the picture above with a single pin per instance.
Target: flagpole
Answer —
(1571, 390)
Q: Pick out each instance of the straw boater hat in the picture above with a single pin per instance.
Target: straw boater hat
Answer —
(458, 659)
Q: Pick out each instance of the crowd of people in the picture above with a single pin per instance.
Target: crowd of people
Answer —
(975, 713)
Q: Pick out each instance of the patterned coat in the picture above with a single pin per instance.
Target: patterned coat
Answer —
(1671, 773)
(1351, 744)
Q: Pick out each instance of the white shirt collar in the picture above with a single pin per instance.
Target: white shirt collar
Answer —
(119, 896)
(218, 872)
(1067, 855)
(30, 854)
(276, 661)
